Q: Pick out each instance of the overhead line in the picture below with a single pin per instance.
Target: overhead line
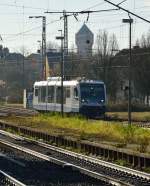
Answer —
(20, 33)
(98, 4)
(129, 12)
(21, 6)
(81, 12)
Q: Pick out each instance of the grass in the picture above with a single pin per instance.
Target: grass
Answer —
(82, 129)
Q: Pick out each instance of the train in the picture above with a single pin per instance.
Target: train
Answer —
(86, 97)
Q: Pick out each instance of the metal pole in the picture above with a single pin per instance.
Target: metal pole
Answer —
(23, 70)
(62, 76)
(44, 46)
(130, 21)
(130, 71)
(62, 72)
(42, 56)
(65, 16)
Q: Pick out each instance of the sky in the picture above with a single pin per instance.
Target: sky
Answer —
(17, 30)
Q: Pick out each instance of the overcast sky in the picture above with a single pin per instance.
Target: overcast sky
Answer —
(17, 29)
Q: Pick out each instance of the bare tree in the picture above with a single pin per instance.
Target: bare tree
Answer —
(145, 40)
(137, 43)
(106, 45)
(113, 45)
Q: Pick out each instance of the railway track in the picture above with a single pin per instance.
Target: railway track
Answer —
(18, 111)
(8, 180)
(37, 171)
(107, 172)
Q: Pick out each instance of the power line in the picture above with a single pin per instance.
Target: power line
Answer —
(21, 6)
(129, 12)
(35, 28)
(65, 16)
(72, 13)
(96, 5)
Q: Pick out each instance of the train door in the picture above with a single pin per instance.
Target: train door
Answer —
(50, 98)
(67, 99)
(35, 97)
(75, 99)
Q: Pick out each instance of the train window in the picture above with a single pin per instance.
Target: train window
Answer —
(36, 92)
(43, 94)
(51, 94)
(67, 92)
(76, 96)
(39, 94)
(58, 95)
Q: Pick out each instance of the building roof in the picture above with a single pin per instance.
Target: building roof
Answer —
(84, 30)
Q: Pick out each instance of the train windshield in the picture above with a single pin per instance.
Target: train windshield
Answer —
(92, 92)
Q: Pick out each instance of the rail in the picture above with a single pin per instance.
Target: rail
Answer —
(6, 179)
(85, 171)
(79, 157)
(8, 110)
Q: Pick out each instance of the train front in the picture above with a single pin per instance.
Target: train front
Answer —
(92, 99)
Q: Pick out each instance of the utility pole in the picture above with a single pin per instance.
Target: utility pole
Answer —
(65, 17)
(62, 71)
(130, 21)
(43, 45)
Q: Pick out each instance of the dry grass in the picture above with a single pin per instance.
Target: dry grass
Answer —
(80, 128)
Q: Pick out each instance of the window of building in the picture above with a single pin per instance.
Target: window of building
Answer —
(88, 41)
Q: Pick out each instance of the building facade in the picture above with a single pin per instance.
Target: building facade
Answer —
(84, 40)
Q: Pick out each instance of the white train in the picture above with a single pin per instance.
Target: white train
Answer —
(87, 97)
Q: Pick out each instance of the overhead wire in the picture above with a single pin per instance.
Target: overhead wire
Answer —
(26, 7)
(21, 33)
(35, 28)
(96, 5)
(18, 34)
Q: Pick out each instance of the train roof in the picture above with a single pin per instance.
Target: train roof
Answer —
(54, 82)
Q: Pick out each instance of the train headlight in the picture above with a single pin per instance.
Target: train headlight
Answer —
(101, 101)
(84, 101)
